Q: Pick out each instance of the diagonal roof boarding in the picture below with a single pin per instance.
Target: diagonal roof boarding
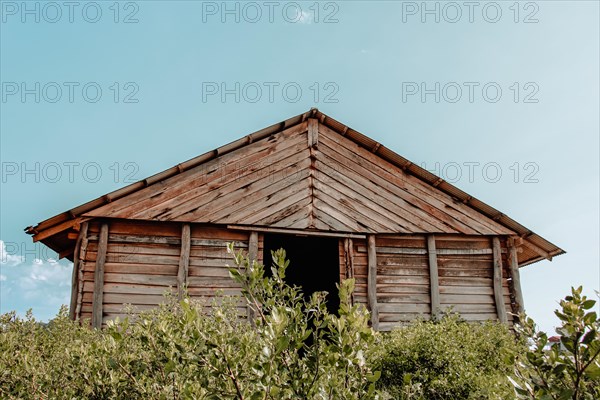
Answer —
(345, 182)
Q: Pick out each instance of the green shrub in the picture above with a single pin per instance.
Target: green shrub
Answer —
(569, 368)
(294, 349)
(446, 359)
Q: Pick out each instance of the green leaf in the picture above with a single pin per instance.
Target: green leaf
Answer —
(588, 304)
(593, 371)
(590, 318)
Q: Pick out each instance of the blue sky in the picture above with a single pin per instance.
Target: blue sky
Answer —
(500, 98)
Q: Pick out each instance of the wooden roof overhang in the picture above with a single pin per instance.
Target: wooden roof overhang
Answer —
(59, 232)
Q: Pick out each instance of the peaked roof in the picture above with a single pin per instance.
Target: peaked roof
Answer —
(307, 172)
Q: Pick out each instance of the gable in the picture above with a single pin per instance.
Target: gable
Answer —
(282, 181)
(308, 172)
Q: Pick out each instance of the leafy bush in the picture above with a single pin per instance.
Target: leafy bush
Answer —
(294, 349)
(446, 359)
(569, 368)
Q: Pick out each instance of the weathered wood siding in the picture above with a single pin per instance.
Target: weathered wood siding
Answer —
(465, 277)
(141, 265)
(359, 264)
(143, 259)
(402, 279)
(142, 262)
(208, 273)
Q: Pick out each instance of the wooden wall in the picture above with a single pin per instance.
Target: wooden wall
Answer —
(398, 277)
(464, 268)
(142, 263)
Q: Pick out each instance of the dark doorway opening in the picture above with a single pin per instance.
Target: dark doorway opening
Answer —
(314, 264)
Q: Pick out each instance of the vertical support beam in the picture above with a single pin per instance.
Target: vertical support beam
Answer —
(349, 259)
(372, 282)
(184, 260)
(82, 255)
(253, 246)
(75, 282)
(516, 277)
(434, 285)
(313, 132)
(252, 256)
(498, 292)
(350, 270)
(97, 306)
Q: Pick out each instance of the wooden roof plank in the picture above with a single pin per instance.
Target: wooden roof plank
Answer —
(427, 197)
(407, 203)
(196, 201)
(200, 174)
(400, 211)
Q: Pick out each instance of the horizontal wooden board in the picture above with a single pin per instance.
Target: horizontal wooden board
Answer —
(154, 280)
(403, 308)
(129, 268)
(471, 308)
(392, 270)
(466, 299)
(199, 231)
(133, 258)
(216, 271)
(122, 288)
(129, 298)
(131, 227)
(118, 308)
(403, 280)
(479, 290)
(214, 291)
(404, 241)
(403, 261)
(471, 263)
(403, 298)
(200, 262)
(210, 281)
(466, 272)
(137, 248)
(147, 239)
(401, 317)
(405, 289)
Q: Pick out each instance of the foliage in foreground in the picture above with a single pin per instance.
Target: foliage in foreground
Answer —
(569, 368)
(447, 359)
(294, 349)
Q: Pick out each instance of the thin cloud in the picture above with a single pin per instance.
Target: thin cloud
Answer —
(6, 258)
(40, 284)
(306, 17)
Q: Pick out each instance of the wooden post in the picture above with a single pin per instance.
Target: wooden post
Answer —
(372, 282)
(516, 277)
(184, 260)
(97, 306)
(350, 270)
(253, 246)
(349, 256)
(252, 256)
(434, 286)
(313, 132)
(82, 255)
(498, 292)
(75, 282)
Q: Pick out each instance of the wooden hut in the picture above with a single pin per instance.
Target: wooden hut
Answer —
(342, 204)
